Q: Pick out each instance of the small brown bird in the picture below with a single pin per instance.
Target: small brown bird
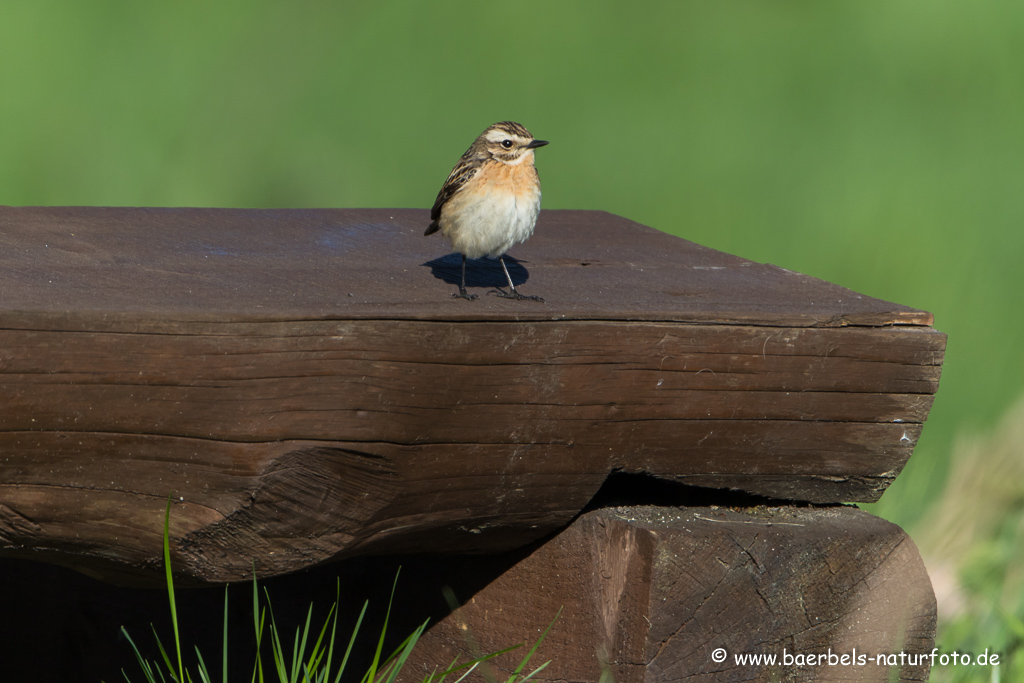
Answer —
(491, 199)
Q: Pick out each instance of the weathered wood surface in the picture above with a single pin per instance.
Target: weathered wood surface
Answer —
(166, 269)
(303, 384)
(651, 593)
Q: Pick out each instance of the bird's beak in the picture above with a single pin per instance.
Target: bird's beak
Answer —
(536, 143)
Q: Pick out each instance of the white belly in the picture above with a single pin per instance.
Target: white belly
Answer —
(489, 224)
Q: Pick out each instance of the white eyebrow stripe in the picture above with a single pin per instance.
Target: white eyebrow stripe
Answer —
(499, 135)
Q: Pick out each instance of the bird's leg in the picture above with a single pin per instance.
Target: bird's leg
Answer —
(514, 294)
(463, 294)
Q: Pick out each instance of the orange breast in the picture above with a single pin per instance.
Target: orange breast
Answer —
(521, 180)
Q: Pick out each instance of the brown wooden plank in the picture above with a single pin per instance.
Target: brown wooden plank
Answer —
(257, 388)
(157, 265)
(305, 427)
(649, 593)
(212, 417)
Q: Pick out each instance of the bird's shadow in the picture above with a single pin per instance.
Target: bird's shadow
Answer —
(481, 272)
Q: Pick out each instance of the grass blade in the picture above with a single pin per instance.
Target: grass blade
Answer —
(406, 651)
(300, 650)
(163, 653)
(468, 671)
(275, 644)
(351, 640)
(293, 670)
(170, 590)
(224, 662)
(204, 673)
(146, 668)
(371, 674)
(334, 629)
(529, 655)
(471, 664)
(258, 668)
(535, 671)
(258, 616)
(317, 655)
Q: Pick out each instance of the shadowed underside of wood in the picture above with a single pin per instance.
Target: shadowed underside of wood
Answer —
(216, 356)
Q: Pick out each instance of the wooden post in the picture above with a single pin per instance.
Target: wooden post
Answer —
(667, 594)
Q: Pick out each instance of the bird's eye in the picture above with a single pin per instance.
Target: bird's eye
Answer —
(507, 144)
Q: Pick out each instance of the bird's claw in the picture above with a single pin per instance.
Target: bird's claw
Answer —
(514, 295)
(463, 294)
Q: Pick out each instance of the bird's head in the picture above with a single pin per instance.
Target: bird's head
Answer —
(508, 142)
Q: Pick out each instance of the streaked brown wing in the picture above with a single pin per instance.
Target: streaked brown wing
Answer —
(460, 175)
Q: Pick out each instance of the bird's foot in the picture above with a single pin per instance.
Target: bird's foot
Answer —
(463, 294)
(514, 295)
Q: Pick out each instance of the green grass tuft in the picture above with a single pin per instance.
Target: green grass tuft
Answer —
(294, 665)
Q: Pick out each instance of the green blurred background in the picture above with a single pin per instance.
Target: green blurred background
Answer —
(878, 145)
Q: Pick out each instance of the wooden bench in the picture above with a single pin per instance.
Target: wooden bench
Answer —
(303, 384)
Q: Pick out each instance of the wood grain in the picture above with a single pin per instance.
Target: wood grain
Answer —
(143, 267)
(216, 356)
(649, 593)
